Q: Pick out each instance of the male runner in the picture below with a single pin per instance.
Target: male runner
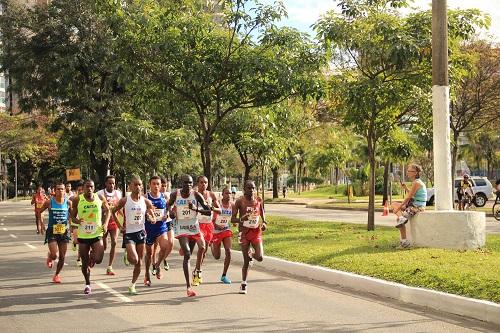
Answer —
(136, 208)
(166, 193)
(38, 199)
(206, 225)
(58, 234)
(74, 226)
(87, 210)
(250, 211)
(222, 232)
(157, 231)
(112, 196)
(184, 205)
(69, 194)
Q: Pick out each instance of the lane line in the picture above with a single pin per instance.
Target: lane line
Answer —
(5, 229)
(114, 292)
(30, 246)
(13, 236)
(2, 223)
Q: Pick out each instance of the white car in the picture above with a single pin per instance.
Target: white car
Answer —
(481, 186)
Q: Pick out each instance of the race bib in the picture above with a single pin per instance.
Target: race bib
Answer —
(252, 222)
(59, 229)
(158, 214)
(39, 205)
(137, 218)
(222, 221)
(185, 213)
(88, 227)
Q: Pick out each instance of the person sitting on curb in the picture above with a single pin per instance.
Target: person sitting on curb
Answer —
(413, 203)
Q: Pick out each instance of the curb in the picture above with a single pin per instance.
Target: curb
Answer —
(478, 309)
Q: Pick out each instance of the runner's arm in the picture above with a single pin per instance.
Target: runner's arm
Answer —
(45, 205)
(215, 204)
(170, 204)
(119, 206)
(236, 209)
(150, 214)
(107, 213)
(263, 216)
(414, 187)
(74, 210)
(33, 200)
(206, 209)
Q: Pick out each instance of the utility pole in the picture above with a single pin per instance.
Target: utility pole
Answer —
(440, 107)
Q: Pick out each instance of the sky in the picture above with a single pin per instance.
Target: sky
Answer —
(303, 13)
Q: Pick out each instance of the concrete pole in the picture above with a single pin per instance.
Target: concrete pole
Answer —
(440, 108)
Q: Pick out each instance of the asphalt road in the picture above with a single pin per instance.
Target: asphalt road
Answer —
(348, 216)
(29, 302)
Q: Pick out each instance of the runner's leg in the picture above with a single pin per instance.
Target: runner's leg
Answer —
(184, 244)
(63, 247)
(147, 262)
(83, 250)
(112, 251)
(139, 250)
(227, 259)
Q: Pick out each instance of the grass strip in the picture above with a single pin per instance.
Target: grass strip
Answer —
(349, 247)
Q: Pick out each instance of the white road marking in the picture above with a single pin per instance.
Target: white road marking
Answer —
(2, 223)
(114, 292)
(13, 236)
(5, 229)
(30, 246)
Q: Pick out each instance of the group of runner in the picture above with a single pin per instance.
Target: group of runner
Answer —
(149, 223)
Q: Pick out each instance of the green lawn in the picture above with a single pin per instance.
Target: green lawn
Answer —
(349, 247)
(330, 192)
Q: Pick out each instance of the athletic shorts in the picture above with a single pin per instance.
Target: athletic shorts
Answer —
(207, 229)
(191, 237)
(151, 237)
(247, 236)
(112, 226)
(50, 236)
(217, 239)
(88, 241)
(138, 237)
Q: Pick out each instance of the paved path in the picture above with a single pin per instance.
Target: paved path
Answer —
(30, 303)
(348, 216)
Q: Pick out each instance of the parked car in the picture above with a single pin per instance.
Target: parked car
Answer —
(481, 186)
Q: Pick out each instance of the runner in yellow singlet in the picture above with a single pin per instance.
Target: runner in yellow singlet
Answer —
(87, 211)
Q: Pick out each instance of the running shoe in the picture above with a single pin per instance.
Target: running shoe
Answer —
(401, 221)
(200, 278)
(224, 279)
(165, 265)
(404, 244)
(147, 282)
(158, 273)
(196, 280)
(191, 292)
(132, 291)
(74, 247)
(153, 270)
(125, 260)
(56, 278)
(49, 262)
(87, 290)
(79, 262)
(243, 288)
(109, 271)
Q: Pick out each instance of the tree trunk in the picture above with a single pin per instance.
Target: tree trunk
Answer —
(371, 190)
(386, 183)
(206, 159)
(275, 182)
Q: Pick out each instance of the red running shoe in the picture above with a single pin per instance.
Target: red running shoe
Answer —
(191, 292)
(56, 278)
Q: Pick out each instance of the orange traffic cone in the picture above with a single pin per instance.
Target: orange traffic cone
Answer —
(386, 210)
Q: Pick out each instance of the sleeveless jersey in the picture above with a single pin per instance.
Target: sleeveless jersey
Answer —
(135, 212)
(205, 218)
(253, 215)
(186, 220)
(91, 213)
(39, 200)
(160, 210)
(223, 219)
(58, 216)
(112, 199)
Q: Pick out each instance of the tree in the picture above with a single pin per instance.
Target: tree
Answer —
(219, 61)
(383, 61)
(63, 59)
(476, 92)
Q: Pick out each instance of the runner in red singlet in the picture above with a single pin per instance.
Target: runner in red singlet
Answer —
(251, 222)
(38, 200)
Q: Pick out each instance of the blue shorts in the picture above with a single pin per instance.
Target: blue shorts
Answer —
(153, 232)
